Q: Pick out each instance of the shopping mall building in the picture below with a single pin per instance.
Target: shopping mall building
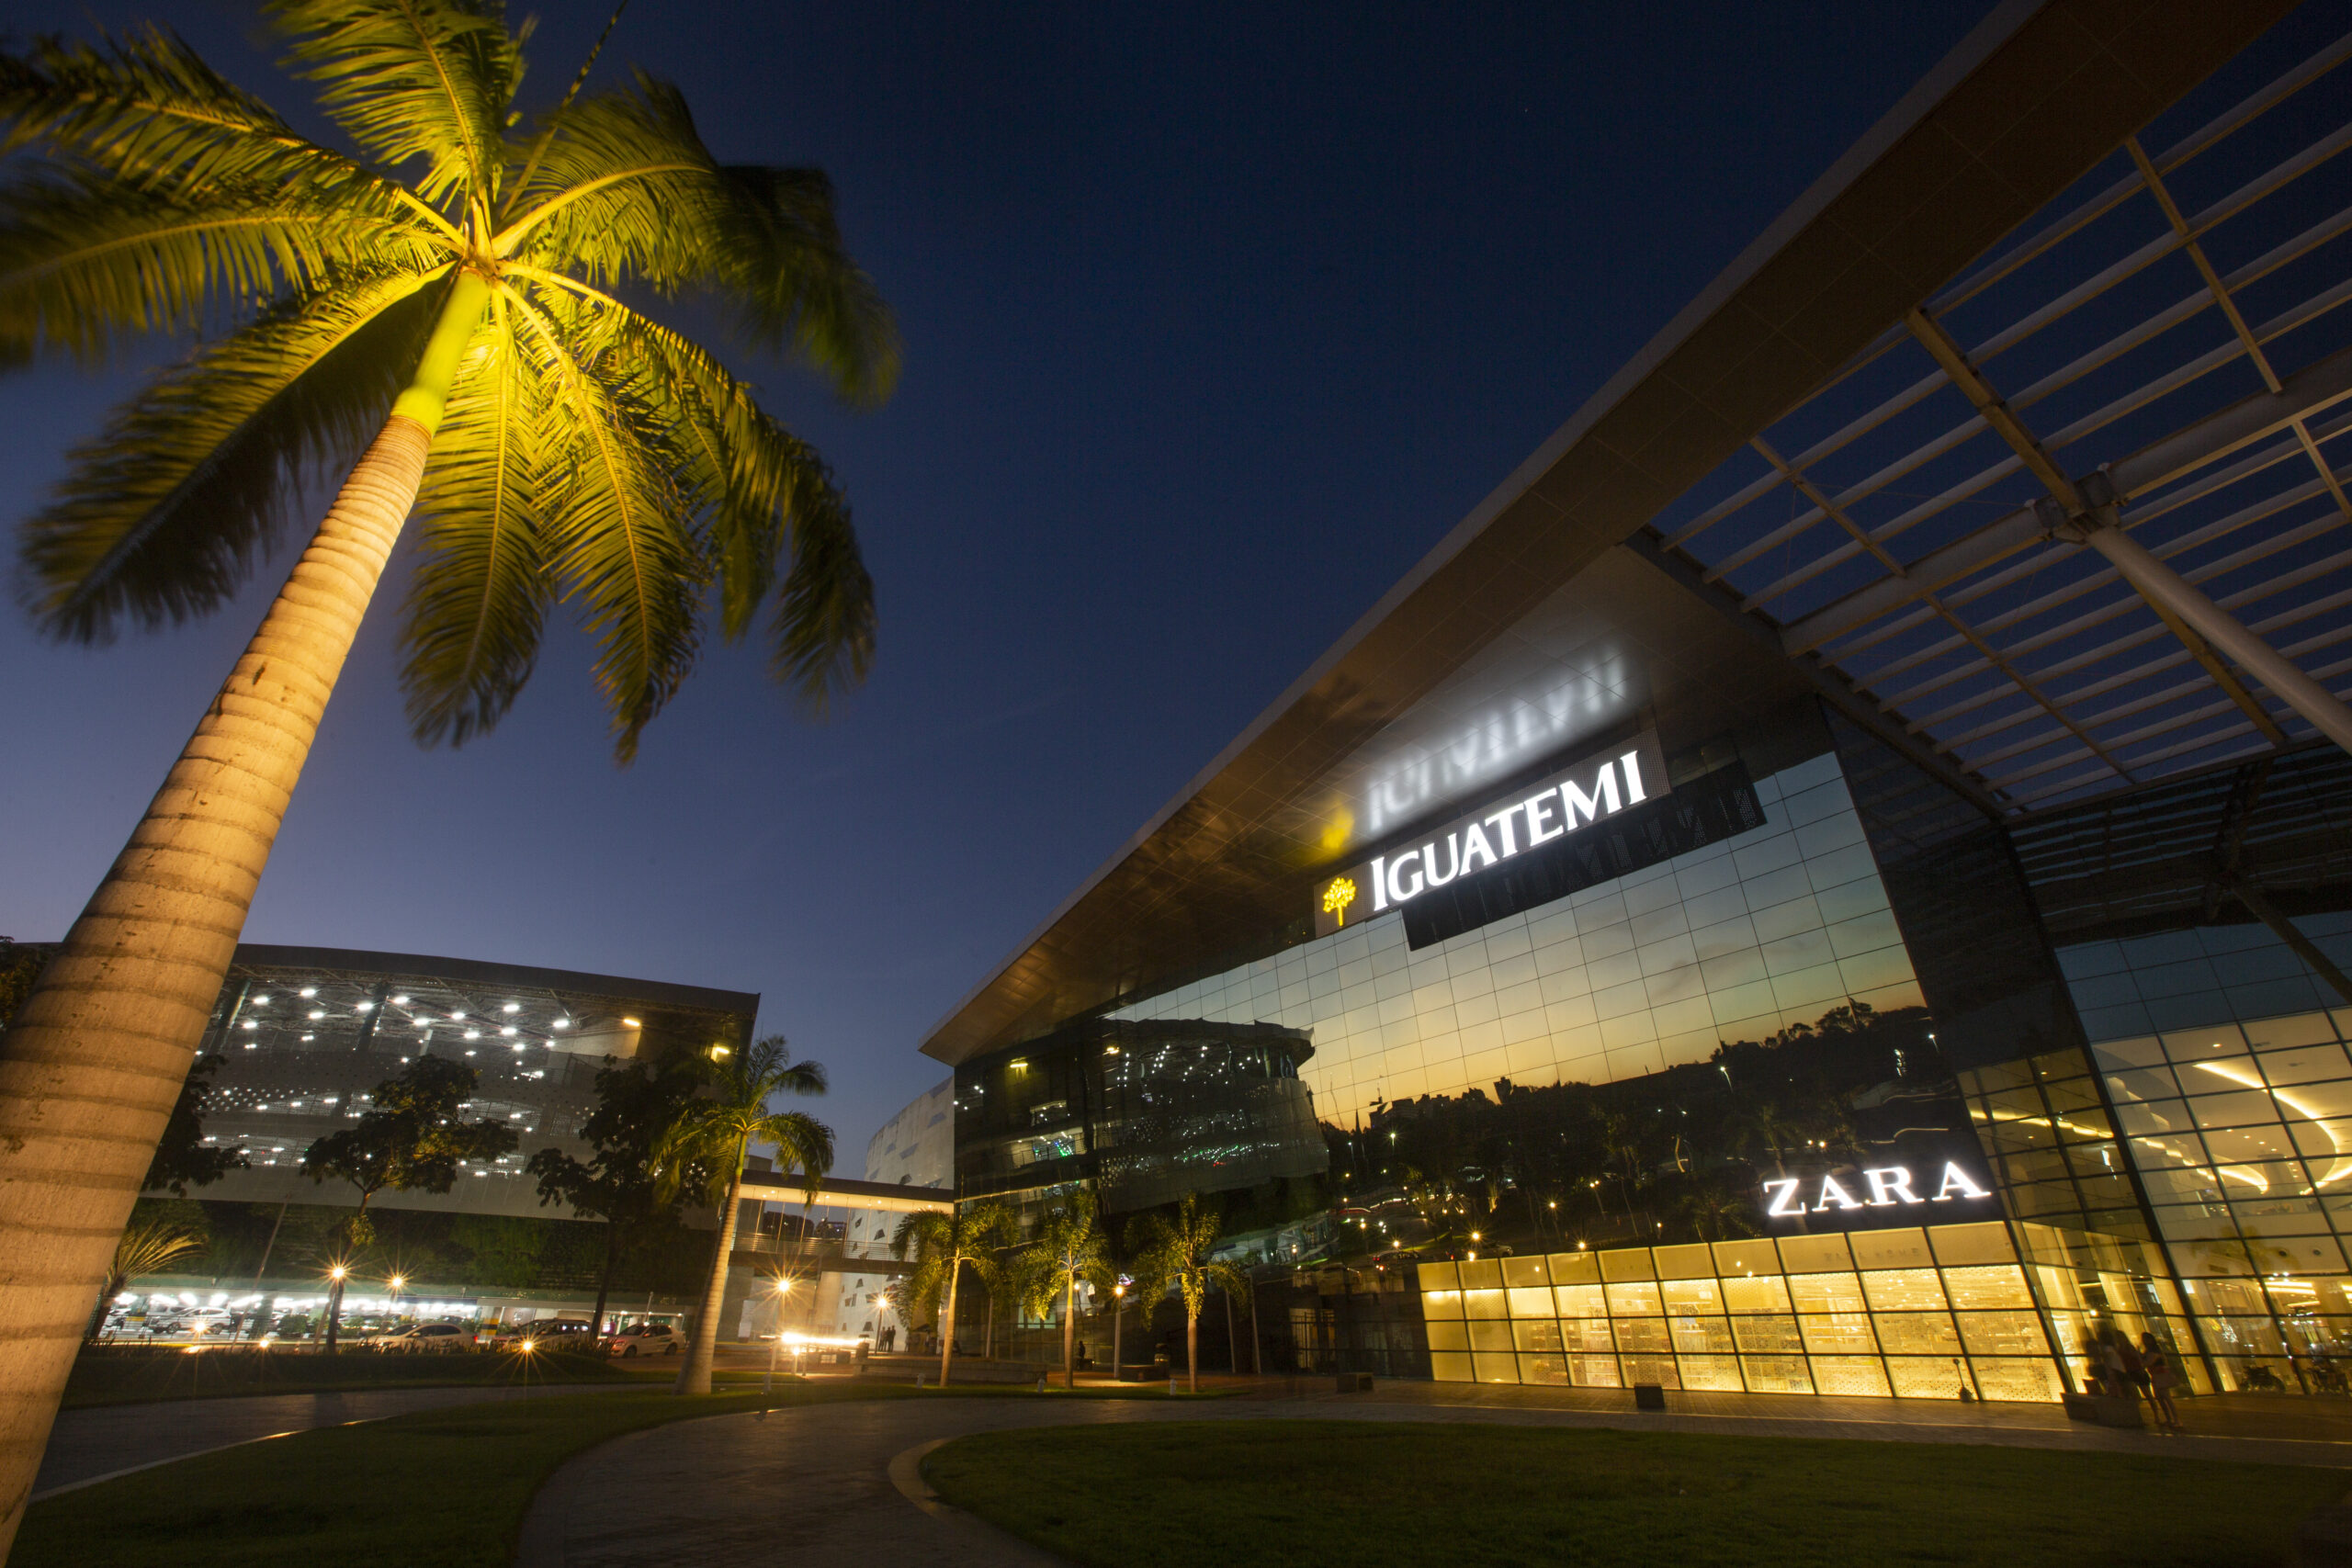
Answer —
(1873, 781)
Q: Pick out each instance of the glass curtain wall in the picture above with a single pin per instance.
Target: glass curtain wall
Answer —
(1918, 1313)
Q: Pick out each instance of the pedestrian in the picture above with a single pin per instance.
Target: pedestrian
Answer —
(2135, 1369)
(2162, 1380)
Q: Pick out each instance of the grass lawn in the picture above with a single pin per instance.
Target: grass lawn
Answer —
(134, 1375)
(440, 1489)
(1316, 1491)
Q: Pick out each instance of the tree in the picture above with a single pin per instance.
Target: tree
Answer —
(449, 312)
(1066, 1252)
(181, 1160)
(942, 1245)
(703, 1153)
(149, 1248)
(1172, 1251)
(635, 1107)
(410, 1139)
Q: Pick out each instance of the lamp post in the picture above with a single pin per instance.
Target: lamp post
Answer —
(782, 1288)
(1118, 1323)
(395, 1282)
(335, 1302)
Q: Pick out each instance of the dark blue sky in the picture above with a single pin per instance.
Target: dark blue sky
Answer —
(1217, 318)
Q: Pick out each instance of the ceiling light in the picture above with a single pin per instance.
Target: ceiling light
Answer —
(508, 1031)
(250, 1024)
(261, 1001)
(316, 1014)
(457, 1017)
(473, 1033)
(632, 1023)
(364, 1007)
(308, 991)
(560, 1023)
(512, 1007)
(400, 1001)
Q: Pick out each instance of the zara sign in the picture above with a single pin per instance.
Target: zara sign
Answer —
(1576, 797)
(1882, 1187)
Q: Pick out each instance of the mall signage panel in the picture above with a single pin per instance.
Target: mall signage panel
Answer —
(1590, 790)
(1874, 1187)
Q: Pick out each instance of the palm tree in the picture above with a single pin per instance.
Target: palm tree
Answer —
(1172, 1251)
(703, 1153)
(943, 1244)
(1066, 1252)
(480, 311)
(143, 1250)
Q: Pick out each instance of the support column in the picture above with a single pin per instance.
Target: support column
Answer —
(2168, 590)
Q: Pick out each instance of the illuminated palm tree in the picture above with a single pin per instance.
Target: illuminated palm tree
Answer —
(449, 312)
(1066, 1252)
(703, 1154)
(943, 1245)
(1173, 1253)
(144, 1249)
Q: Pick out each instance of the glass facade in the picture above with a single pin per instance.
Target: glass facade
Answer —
(1914, 1313)
(304, 1036)
(1738, 940)
(1145, 1111)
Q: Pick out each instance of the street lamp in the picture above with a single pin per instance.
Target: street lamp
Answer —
(1118, 1325)
(782, 1288)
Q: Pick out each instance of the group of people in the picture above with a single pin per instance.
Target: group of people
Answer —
(2121, 1370)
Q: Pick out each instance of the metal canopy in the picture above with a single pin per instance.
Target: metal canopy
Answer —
(2038, 97)
(2174, 319)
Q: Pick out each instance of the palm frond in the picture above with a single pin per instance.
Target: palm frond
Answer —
(161, 516)
(614, 530)
(144, 107)
(762, 499)
(627, 192)
(477, 599)
(85, 259)
(405, 79)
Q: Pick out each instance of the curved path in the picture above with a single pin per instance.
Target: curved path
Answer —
(842, 1482)
(103, 1441)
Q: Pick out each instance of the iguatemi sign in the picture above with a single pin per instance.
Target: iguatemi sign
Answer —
(1598, 787)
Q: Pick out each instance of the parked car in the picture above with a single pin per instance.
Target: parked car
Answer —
(424, 1339)
(555, 1334)
(647, 1339)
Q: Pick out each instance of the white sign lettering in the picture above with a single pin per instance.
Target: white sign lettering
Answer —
(1889, 1187)
(1578, 798)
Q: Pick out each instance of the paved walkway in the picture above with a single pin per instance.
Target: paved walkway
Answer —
(710, 1491)
(105, 1440)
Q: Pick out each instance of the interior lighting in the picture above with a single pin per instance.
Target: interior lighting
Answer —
(511, 1006)
(250, 1024)
(261, 1001)
(308, 991)
(473, 1033)
(457, 1017)
(632, 1023)
(400, 1001)
(508, 1031)
(317, 1013)
(367, 1007)
(560, 1023)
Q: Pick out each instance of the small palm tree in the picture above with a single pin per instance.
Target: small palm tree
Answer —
(146, 1249)
(1067, 1252)
(451, 310)
(703, 1154)
(1172, 1251)
(943, 1245)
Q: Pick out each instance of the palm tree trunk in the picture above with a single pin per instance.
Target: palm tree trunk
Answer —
(947, 1320)
(694, 1376)
(94, 1062)
(1192, 1351)
(1069, 1328)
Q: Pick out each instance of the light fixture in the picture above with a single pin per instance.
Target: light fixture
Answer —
(317, 1013)
(512, 1007)
(261, 1001)
(508, 1031)
(308, 991)
(718, 1051)
(337, 1273)
(250, 1024)
(632, 1023)
(400, 1001)
(560, 1023)
(367, 1007)
(473, 1033)
(397, 1281)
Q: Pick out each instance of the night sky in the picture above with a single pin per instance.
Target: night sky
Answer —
(1217, 318)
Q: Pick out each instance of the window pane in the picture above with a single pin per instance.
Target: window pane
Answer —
(1441, 1304)
(1497, 1369)
(1543, 1369)
(1703, 1297)
(1762, 1293)
(1659, 1370)
(1864, 1375)
(2002, 1334)
(1482, 1304)
(1845, 1333)
(1915, 1333)
(1448, 1336)
(1924, 1378)
(1897, 1289)
(1643, 1335)
(2025, 1382)
(1710, 1372)
(1579, 1300)
(1710, 1336)
(1593, 1370)
(1632, 1301)
(1495, 1336)
(1587, 1334)
(1536, 1303)
(1450, 1366)
(1988, 1286)
(1826, 1293)
(1776, 1374)
(1765, 1334)
(1536, 1333)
